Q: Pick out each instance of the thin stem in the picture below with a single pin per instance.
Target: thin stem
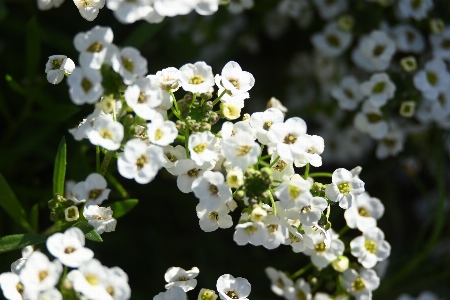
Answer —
(320, 174)
(114, 110)
(343, 230)
(301, 271)
(186, 141)
(176, 113)
(97, 159)
(273, 202)
(274, 162)
(175, 104)
(105, 163)
(181, 138)
(328, 211)
(220, 97)
(265, 157)
(264, 163)
(119, 187)
(63, 277)
(305, 176)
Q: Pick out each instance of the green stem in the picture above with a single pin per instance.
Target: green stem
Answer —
(328, 211)
(263, 163)
(175, 104)
(119, 187)
(274, 162)
(343, 230)
(97, 159)
(176, 113)
(273, 202)
(186, 141)
(181, 138)
(305, 176)
(265, 157)
(320, 174)
(63, 278)
(301, 271)
(220, 97)
(105, 163)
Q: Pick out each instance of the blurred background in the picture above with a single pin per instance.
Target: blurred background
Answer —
(162, 231)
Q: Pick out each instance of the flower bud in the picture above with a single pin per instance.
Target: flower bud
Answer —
(206, 294)
(239, 195)
(205, 127)
(346, 22)
(437, 26)
(407, 109)
(340, 264)
(71, 213)
(209, 105)
(128, 120)
(54, 216)
(52, 204)
(409, 64)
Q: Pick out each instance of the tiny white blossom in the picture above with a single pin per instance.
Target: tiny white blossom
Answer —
(201, 147)
(370, 120)
(379, 89)
(255, 233)
(85, 86)
(106, 132)
(332, 41)
(241, 150)
(89, 9)
(101, 218)
(321, 256)
(234, 79)
(211, 190)
(233, 288)
(11, 286)
(294, 193)
(417, 10)
(280, 283)
(94, 46)
(364, 212)
(48, 4)
(344, 188)
(361, 285)
(93, 189)
(196, 78)
(129, 63)
(347, 93)
(176, 276)
(370, 248)
(161, 132)
(57, 66)
(212, 220)
(374, 51)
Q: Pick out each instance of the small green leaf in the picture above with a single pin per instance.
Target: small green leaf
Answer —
(19, 241)
(121, 208)
(12, 206)
(89, 231)
(3, 10)
(34, 217)
(59, 173)
(15, 86)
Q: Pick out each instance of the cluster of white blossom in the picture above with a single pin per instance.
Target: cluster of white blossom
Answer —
(179, 282)
(396, 80)
(35, 277)
(152, 11)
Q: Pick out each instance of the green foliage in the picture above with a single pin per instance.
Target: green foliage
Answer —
(121, 208)
(89, 231)
(19, 241)
(12, 206)
(59, 172)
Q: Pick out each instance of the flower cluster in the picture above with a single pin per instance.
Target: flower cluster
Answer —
(34, 276)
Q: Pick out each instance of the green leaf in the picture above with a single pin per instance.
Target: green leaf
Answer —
(15, 86)
(3, 10)
(34, 217)
(33, 44)
(12, 206)
(142, 34)
(59, 173)
(89, 231)
(19, 241)
(121, 208)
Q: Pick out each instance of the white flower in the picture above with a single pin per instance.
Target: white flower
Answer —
(106, 132)
(275, 103)
(347, 93)
(129, 63)
(212, 220)
(255, 233)
(130, 11)
(321, 256)
(379, 89)
(140, 161)
(48, 4)
(93, 189)
(207, 7)
(187, 171)
(278, 232)
(230, 106)
(237, 7)
(408, 38)
(262, 121)
(17, 266)
(57, 66)
(85, 86)
(117, 283)
(101, 218)
(361, 285)
(39, 274)
(161, 132)
(79, 132)
(206, 294)
(370, 248)
(301, 290)
(433, 79)
(370, 120)
(69, 248)
(89, 9)
(294, 193)
(391, 144)
(417, 10)
(235, 178)
(282, 168)
(176, 276)
(91, 280)
(235, 80)
(374, 51)
(233, 288)
(229, 129)
(364, 212)
(311, 146)
(51, 294)
(328, 10)
(196, 78)
(11, 286)
(241, 150)
(440, 44)
(94, 46)
(172, 155)
(171, 8)
(144, 96)
(285, 136)
(211, 190)
(71, 213)
(173, 293)
(201, 147)
(332, 41)
(280, 283)
(344, 188)
(310, 214)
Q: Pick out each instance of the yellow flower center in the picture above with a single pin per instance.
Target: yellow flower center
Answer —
(294, 192)
(86, 84)
(94, 194)
(95, 47)
(344, 188)
(320, 247)
(243, 150)
(196, 79)
(370, 246)
(200, 148)
(42, 275)
(358, 285)
(128, 64)
(142, 161)
(91, 278)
